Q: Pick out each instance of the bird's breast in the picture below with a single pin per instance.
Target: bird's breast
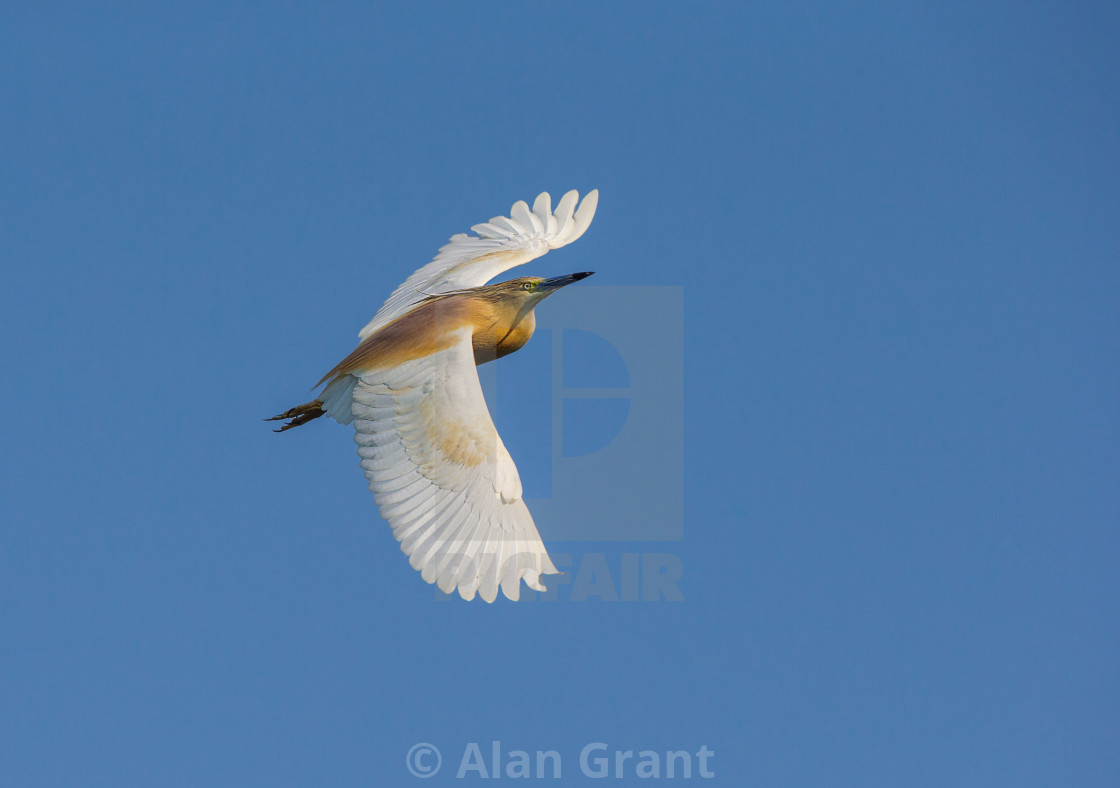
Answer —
(501, 334)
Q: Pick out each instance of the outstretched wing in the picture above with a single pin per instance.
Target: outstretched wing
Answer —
(442, 477)
(498, 245)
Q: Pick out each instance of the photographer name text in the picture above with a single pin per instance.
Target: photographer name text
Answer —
(596, 759)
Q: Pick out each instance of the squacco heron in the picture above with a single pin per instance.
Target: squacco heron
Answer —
(429, 449)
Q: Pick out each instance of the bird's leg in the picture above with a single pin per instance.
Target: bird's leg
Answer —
(300, 414)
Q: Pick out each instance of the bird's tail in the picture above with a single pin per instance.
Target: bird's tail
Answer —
(300, 414)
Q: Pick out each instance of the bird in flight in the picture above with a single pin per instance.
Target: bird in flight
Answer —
(429, 449)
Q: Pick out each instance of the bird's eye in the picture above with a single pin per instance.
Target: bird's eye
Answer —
(528, 286)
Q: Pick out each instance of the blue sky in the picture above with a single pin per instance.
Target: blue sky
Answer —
(892, 410)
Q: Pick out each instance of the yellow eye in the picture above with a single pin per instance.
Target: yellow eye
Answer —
(528, 286)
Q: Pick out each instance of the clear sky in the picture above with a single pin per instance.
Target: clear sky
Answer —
(882, 451)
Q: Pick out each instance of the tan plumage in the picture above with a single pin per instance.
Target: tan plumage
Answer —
(429, 450)
(500, 317)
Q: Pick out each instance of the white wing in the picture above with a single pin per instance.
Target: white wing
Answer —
(442, 477)
(498, 245)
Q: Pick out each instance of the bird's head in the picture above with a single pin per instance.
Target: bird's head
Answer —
(531, 290)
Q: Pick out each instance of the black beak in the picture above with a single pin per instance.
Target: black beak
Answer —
(556, 282)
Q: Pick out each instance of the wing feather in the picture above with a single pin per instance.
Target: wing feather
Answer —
(498, 245)
(442, 477)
